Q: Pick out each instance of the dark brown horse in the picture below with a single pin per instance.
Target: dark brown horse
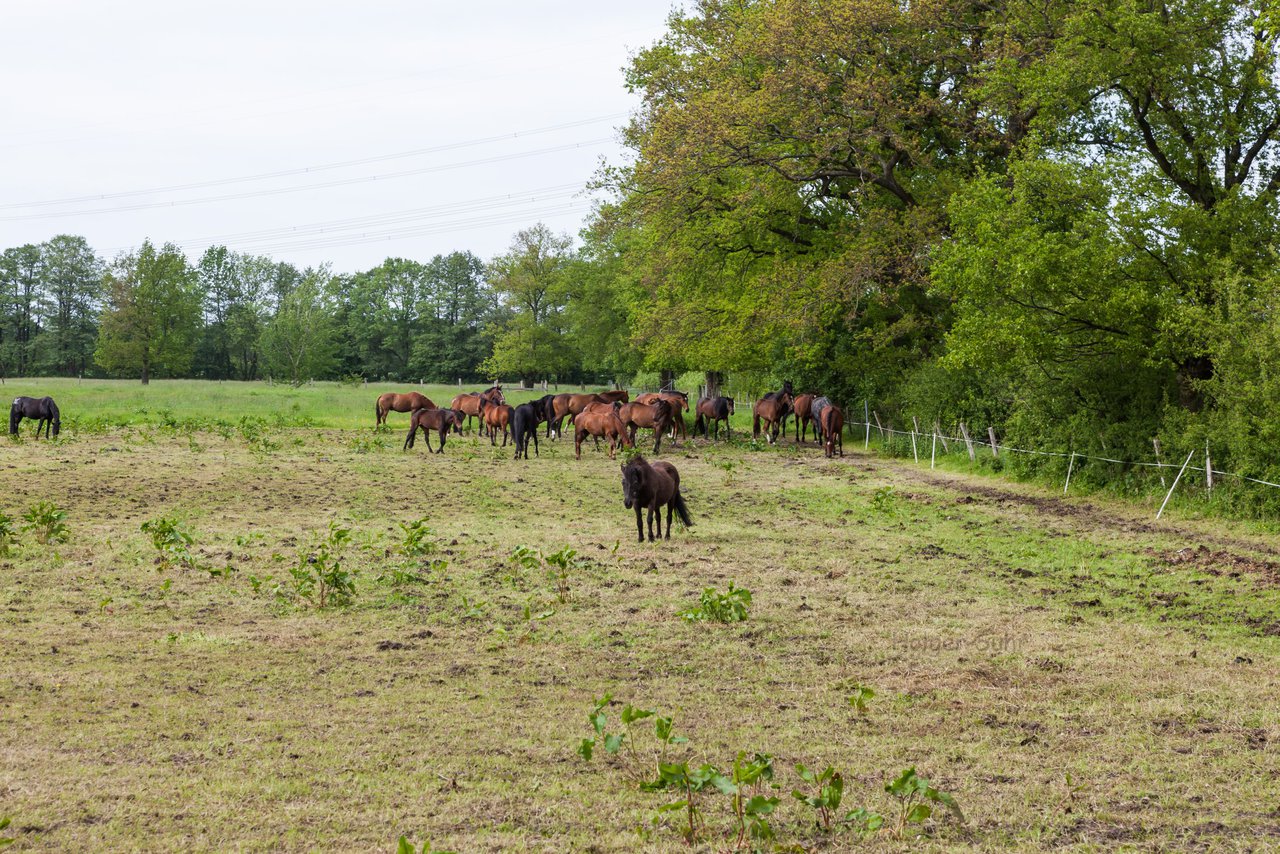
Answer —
(833, 429)
(771, 412)
(439, 420)
(803, 408)
(469, 403)
(393, 402)
(656, 416)
(42, 409)
(711, 411)
(600, 423)
(650, 486)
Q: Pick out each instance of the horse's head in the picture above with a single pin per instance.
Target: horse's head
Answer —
(730, 404)
(632, 479)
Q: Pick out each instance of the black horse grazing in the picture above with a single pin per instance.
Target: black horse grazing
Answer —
(43, 409)
(651, 486)
(524, 425)
(439, 420)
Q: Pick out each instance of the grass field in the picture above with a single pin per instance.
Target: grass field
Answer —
(1074, 674)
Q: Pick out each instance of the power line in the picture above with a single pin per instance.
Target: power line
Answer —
(322, 185)
(323, 167)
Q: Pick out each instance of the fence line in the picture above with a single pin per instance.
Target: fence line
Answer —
(1208, 469)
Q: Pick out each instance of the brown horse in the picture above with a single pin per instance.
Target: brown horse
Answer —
(803, 408)
(599, 423)
(469, 403)
(771, 411)
(439, 420)
(494, 417)
(711, 411)
(393, 402)
(679, 402)
(656, 415)
(570, 405)
(650, 486)
(833, 429)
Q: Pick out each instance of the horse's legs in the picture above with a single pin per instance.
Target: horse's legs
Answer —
(426, 434)
(535, 444)
(651, 536)
(639, 524)
(408, 440)
(671, 508)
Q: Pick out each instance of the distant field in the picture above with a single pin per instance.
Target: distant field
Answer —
(1075, 675)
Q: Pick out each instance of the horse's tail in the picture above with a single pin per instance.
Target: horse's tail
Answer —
(678, 502)
(377, 414)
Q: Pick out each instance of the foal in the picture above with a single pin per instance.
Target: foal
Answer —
(439, 420)
(524, 425)
(651, 486)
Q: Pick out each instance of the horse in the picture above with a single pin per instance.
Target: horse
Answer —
(803, 408)
(393, 402)
(493, 416)
(820, 404)
(572, 404)
(598, 423)
(646, 485)
(772, 411)
(439, 420)
(833, 429)
(545, 407)
(679, 402)
(43, 409)
(711, 411)
(524, 425)
(468, 403)
(656, 415)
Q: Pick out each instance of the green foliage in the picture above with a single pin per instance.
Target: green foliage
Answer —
(5, 842)
(8, 534)
(860, 699)
(320, 577)
(171, 541)
(826, 792)
(916, 796)
(403, 846)
(883, 501)
(729, 607)
(47, 521)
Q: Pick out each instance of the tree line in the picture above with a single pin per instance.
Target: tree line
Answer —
(1055, 216)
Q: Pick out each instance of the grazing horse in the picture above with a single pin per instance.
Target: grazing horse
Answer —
(494, 416)
(650, 486)
(469, 402)
(833, 429)
(656, 415)
(392, 402)
(772, 412)
(600, 422)
(711, 411)
(803, 408)
(524, 426)
(43, 409)
(679, 402)
(820, 405)
(439, 420)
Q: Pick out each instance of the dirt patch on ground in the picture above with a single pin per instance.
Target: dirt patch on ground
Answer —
(1221, 563)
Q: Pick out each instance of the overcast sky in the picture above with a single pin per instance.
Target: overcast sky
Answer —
(311, 131)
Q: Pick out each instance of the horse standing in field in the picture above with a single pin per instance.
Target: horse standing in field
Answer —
(803, 408)
(656, 415)
(651, 486)
(833, 429)
(771, 411)
(393, 402)
(439, 420)
(43, 409)
(679, 402)
(469, 403)
(820, 405)
(494, 416)
(572, 404)
(711, 411)
(602, 422)
(524, 426)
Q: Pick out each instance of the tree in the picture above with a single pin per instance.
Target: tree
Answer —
(72, 279)
(152, 316)
(21, 303)
(299, 342)
(530, 276)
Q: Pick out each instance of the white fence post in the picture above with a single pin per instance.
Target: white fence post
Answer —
(1175, 485)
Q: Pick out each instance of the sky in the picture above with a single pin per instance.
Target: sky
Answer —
(311, 132)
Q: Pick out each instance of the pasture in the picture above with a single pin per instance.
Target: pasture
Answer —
(1074, 675)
